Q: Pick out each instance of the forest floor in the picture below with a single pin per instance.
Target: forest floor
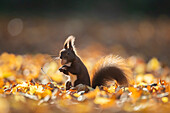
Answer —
(25, 88)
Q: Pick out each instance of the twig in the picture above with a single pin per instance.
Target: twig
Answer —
(46, 74)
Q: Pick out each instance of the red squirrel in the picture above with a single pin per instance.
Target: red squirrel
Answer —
(107, 69)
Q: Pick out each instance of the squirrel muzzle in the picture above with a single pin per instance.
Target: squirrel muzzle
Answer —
(63, 61)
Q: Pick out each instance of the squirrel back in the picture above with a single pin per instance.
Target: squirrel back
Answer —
(107, 69)
(110, 68)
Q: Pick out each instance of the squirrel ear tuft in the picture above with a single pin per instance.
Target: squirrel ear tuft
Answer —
(69, 42)
(65, 46)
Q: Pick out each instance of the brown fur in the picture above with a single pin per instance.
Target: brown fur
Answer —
(77, 68)
(108, 68)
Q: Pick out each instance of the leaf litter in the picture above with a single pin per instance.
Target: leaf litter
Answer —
(25, 88)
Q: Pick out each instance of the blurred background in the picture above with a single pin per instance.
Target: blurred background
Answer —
(133, 27)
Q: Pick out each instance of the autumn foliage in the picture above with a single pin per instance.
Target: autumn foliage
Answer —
(25, 88)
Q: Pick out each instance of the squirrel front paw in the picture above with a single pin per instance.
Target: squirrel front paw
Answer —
(61, 69)
(64, 70)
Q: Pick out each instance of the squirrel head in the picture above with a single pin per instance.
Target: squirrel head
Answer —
(68, 53)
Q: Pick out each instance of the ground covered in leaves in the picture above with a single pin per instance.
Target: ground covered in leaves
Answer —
(25, 88)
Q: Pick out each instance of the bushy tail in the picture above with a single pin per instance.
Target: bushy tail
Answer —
(108, 69)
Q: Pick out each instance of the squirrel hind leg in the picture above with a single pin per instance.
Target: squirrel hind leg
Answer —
(109, 74)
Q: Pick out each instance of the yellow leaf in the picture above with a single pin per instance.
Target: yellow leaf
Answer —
(1, 83)
(101, 100)
(139, 78)
(164, 99)
(76, 94)
(32, 89)
(92, 94)
(58, 77)
(1, 91)
(19, 61)
(40, 89)
(140, 68)
(46, 92)
(111, 89)
(6, 74)
(148, 78)
(67, 96)
(142, 84)
(153, 65)
(135, 93)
